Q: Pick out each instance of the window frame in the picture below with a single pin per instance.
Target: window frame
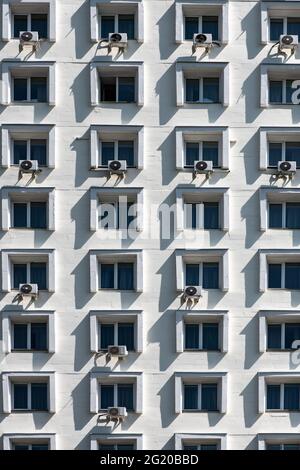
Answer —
(278, 257)
(29, 347)
(29, 99)
(28, 272)
(29, 398)
(280, 72)
(9, 440)
(201, 92)
(267, 317)
(28, 215)
(276, 438)
(219, 439)
(200, 23)
(269, 135)
(29, 21)
(136, 439)
(273, 9)
(116, 275)
(274, 378)
(201, 274)
(116, 23)
(115, 386)
(281, 196)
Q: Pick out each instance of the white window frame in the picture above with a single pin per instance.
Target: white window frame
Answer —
(276, 438)
(198, 439)
(12, 132)
(115, 316)
(28, 267)
(29, 392)
(265, 378)
(136, 439)
(116, 195)
(278, 257)
(267, 317)
(116, 21)
(28, 15)
(115, 256)
(107, 6)
(28, 150)
(202, 134)
(200, 70)
(182, 378)
(10, 257)
(10, 7)
(11, 317)
(284, 21)
(8, 67)
(115, 394)
(201, 92)
(111, 378)
(13, 194)
(134, 69)
(199, 400)
(201, 8)
(201, 196)
(201, 267)
(275, 10)
(28, 99)
(282, 72)
(200, 20)
(281, 196)
(28, 328)
(116, 267)
(10, 440)
(283, 93)
(275, 135)
(8, 378)
(184, 317)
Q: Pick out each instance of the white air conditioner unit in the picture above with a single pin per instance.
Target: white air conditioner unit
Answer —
(28, 166)
(288, 41)
(29, 37)
(117, 351)
(203, 166)
(117, 166)
(202, 40)
(28, 289)
(192, 292)
(287, 168)
(118, 412)
(117, 40)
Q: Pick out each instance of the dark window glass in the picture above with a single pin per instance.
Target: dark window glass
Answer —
(21, 447)
(275, 153)
(291, 396)
(38, 151)
(107, 447)
(20, 24)
(292, 275)
(192, 275)
(289, 91)
(275, 91)
(211, 152)
(20, 151)
(126, 335)
(293, 215)
(190, 447)
(125, 396)
(20, 89)
(211, 90)
(126, 151)
(274, 276)
(275, 215)
(192, 215)
(292, 333)
(210, 275)
(39, 336)
(107, 396)
(40, 447)
(38, 89)
(210, 336)
(126, 25)
(209, 397)
(191, 153)
(192, 90)
(273, 447)
(39, 396)
(126, 90)
(107, 152)
(276, 28)
(107, 26)
(291, 447)
(190, 397)
(38, 275)
(124, 447)
(293, 152)
(211, 215)
(38, 215)
(191, 336)
(108, 89)
(209, 447)
(20, 336)
(39, 23)
(191, 27)
(125, 276)
(20, 215)
(273, 397)
(293, 26)
(20, 274)
(210, 25)
(20, 397)
(274, 336)
(107, 276)
(107, 337)
(131, 214)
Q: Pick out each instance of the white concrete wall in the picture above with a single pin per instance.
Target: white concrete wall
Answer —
(159, 300)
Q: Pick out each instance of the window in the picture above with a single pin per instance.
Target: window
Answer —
(117, 214)
(202, 397)
(116, 395)
(276, 84)
(31, 446)
(118, 89)
(280, 336)
(202, 336)
(30, 215)
(30, 396)
(116, 446)
(283, 396)
(203, 90)
(121, 334)
(200, 441)
(202, 215)
(30, 336)
(117, 150)
(32, 89)
(117, 24)
(284, 151)
(31, 272)
(32, 149)
(117, 276)
(115, 441)
(202, 24)
(203, 274)
(282, 446)
(31, 22)
(284, 276)
(285, 215)
(200, 447)
(280, 91)
(279, 26)
(278, 441)
(195, 151)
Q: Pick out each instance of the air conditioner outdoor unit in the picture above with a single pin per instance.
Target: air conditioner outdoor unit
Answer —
(28, 289)
(28, 166)
(202, 40)
(116, 412)
(288, 41)
(192, 292)
(117, 39)
(203, 166)
(117, 166)
(29, 37)
(117, 351)
(287, 168)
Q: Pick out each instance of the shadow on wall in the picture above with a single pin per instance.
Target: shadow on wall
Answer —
(81, 30)
(40, 419)
(82, 343)
(251, 93)
(82, 282)
(166, 91)
(167, 343)
(167, 221)
(41, 237)
(250, 213)
(168, 158)
(250, 333)
(251, 159)
(80, 89)
(167, 402)
(81, 148)
(170, 444)
(166, 30)
(251, 27)
(81, 403)
(251, 276)
(253, 445)
(167, 292)
(250, 402)
(80, 214)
